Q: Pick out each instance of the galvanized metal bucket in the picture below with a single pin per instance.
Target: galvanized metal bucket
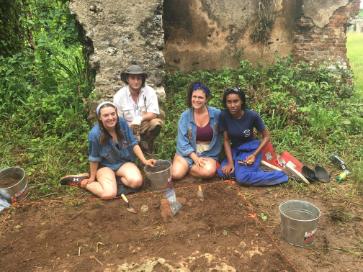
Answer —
(299, 222)
(159, 174)
(13, 183)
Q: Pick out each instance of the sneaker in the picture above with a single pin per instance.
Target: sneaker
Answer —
(73, 180)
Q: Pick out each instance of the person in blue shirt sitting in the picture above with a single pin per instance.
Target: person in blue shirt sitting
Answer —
(199, 140)
(241, 146)
(112, 150)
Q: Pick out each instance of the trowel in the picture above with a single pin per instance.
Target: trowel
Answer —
(129, 207)
(200, 194)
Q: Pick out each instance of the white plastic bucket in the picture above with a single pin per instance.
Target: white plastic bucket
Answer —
(299, 222)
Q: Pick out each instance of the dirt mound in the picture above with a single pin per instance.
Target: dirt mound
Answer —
(219, 234)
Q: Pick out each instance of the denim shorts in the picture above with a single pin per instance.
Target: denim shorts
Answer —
(191, 162)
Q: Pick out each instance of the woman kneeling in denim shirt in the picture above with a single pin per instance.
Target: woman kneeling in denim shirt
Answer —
(199, 140)
(112, 147)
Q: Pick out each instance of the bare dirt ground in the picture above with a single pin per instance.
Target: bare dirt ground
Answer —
(234, 229)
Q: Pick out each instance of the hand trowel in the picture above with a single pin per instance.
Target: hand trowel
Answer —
(129, 207)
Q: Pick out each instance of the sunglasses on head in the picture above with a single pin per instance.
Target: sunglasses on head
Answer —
(233, 90)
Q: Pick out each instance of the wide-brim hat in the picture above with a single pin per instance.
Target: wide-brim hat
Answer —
(133, 70)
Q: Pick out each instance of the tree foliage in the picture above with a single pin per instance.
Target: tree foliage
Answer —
(309, 109)
(43, 88)
(11, 29)
(45, 81)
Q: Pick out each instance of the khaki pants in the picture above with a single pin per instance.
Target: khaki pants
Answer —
(147, 132)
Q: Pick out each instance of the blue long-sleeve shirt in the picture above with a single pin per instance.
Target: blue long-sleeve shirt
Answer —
(111, 154)
(187, 133)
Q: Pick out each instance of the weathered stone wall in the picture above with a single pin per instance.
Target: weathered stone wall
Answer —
(208, 34)
(214, 34)
(122, 33)
(211, 34)
(321, 31)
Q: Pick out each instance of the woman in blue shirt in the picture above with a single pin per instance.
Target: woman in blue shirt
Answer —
(241, 146)
(198, 140)
(112, 147)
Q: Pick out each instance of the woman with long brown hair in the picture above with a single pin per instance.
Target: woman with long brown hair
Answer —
(199, 139)
(112, 150)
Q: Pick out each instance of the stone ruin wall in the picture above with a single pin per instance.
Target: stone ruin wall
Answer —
(119, 33)
(206, 34)
(320, 34)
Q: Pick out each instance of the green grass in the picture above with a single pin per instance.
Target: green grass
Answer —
(355, 55)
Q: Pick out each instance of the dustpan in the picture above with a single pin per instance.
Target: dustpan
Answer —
(286, 157)
(269, 157)
(309, 174)
(321, 174)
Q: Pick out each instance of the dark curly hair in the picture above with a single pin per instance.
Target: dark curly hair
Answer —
(235, 90)
(197, 86)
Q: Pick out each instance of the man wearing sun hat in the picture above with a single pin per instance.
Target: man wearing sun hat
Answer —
(138, 104)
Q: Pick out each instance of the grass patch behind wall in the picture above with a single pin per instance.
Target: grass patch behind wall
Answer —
(355, 55)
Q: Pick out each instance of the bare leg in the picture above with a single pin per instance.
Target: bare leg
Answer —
(179, 168)
(130, 175)
(105, 187)
(207, 171)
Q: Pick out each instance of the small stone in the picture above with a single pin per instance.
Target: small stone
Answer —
(242, 244)
(144, 208)
(93, 8)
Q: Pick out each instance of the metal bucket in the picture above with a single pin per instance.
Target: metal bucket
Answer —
(13, 183)
(159, 174)
(299, 222)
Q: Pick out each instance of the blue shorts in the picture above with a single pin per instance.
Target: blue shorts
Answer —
(191, 162)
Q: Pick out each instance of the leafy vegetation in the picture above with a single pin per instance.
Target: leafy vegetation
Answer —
(265, 21)
(309, 110)
(354, 49)
(11, 31)
(354, 52)
(44, 86)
